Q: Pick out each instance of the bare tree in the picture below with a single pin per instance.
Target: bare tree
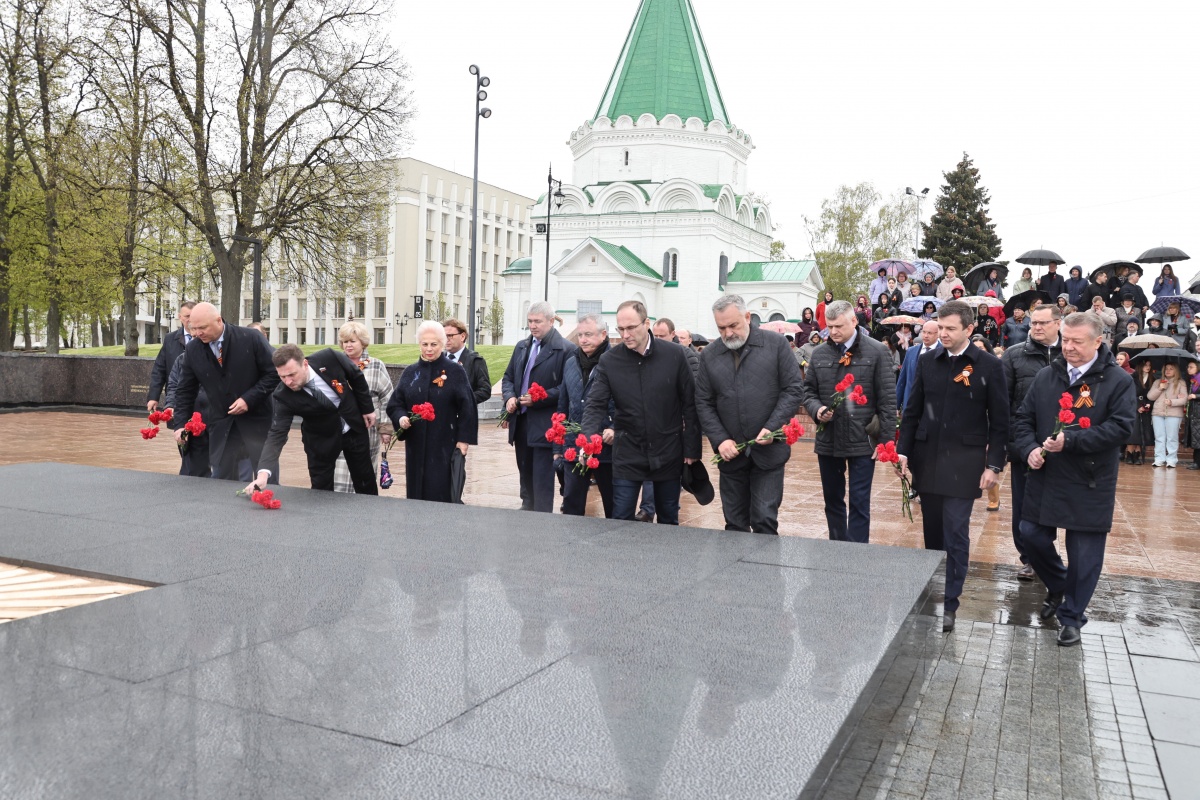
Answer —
(11, 53)
(287, 140)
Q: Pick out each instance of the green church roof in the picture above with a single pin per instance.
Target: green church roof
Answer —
(626, 260)
(771, 271)
(664, 68)
(519, 266)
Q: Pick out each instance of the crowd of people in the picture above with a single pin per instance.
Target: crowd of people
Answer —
(965, 393)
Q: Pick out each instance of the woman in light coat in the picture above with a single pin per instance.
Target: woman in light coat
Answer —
(354, 338)
(949, 283)
(1108, 316)
(1026, 282)
(1170, 398)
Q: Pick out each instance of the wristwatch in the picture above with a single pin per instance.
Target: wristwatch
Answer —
(997, 470)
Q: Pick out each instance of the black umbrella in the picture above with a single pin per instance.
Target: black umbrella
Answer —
(1120, 267)
(1041, 258)
(1162, 255)
(1106, 269)
(1161, 355)
(458, 475)
(1025, 300)
(977, 273)
(1194, 288)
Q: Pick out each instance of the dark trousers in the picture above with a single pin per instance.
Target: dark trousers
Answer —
(854, 526)
(1077, 580)
(243, 443)
(536, 468)
(1018, 501)
(947, 526)
(750, 496)
(647, 497)
(356, 445)
(575, 489)
(666, 500)
(194, 462)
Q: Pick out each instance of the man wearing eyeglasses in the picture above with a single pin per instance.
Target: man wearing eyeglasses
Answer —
(473, 363)
(1022, 362)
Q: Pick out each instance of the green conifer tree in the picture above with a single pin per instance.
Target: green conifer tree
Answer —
(960, 233)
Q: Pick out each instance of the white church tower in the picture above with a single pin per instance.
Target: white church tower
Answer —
(658, 207)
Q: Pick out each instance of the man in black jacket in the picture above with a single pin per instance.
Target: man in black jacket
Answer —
(193, 462)
(656, 430)
(168, 354)
(1052, 283)
(234, 366)
(539, 359)
(955, 432)
(473, 363)
(1021, 364)
(842, 442)
(1073, 479)
(329, 393)
(747, 387)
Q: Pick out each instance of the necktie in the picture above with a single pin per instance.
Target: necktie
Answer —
(319, 396)
(533, 354)
(1074, 374)
(454, 357)
(221, 353)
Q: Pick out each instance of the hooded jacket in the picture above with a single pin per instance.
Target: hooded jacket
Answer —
(1075, 286)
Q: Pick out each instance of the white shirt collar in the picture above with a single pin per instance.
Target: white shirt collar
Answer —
(960, 352)
(850, 342)
(1084, 369)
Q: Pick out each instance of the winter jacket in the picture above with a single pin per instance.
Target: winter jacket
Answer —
(821, 315)
(947, 286)
(655, 422)
(572, 399)
(1023, 285)
(1109, 318)
(1052, 284)
(1021, 364)
(553, 352)
(1075, 289)
(1166, 285)
(740, 392)
(1171, 401)
(1076, 489)
(1101, 290)
(1015, 332)
(987, 285)
(845, 436)
(928, 289)
(1181, 330)
(987, 327)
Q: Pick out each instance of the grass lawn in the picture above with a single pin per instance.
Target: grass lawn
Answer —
(496, 355)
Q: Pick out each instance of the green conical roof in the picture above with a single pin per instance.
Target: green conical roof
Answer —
(664, 68)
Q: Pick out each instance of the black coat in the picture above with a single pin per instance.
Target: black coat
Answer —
(1053, 284)
(1076, 489)
(247, 374)
(1015, 332)
(740, 392)
(1101, 290)
(1021, 365)
(845, 436)
(200, 405)
(655, 424)
(952, 431)
(477, 374)
(428, 446)
(572, 399)
(547, 373)
(172, 349)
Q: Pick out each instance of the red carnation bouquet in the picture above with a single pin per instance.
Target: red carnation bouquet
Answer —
(536, 395)
(156, 418)
(560, 428)
(584, 453)
(887, 454)
(842, 393)
(193, 427)
(790, 433)
(1067, 418)
(419, 411)
(266, 498)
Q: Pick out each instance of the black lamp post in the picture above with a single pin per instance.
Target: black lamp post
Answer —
(908, 190)
(481, 84)
(256, 314)
(170, 315)
(400, 323)
(554, 197)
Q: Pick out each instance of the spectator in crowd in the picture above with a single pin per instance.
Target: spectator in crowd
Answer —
(825, 301)
(929, 311)
(842, 443)
(903, 338)
(914, 290)
(1179, 327)
(1143, 427)
(1169, 394)
(1016, 330)
(1123, 363)
(1107, 317)
(954, 431)
(1063, 301)
(862, 311)
(1128, 311)
(354, 338)
(1052, 283)
(1139, 294)
(684, 337)
(928, 287)
(1076, 286)
(808, 324)
(1098, 288)
(1025, 282)
(879, 285)
(429, 444)
(882, 310)
(986, 326)
(894, 293)
(928, 335)
(592, 333)
(1072, 483)
(1167, 283)
(752, 478)
(949, 283)
(991, 283)
(1191, 425)
(805, 351)
(539, 358)
(655, 426)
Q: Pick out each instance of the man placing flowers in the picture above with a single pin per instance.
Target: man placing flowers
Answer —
(1070, 429)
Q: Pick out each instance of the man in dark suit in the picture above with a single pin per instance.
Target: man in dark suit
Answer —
(168, 354)
(955, 433)
(329, 393)
(473, 363)
(1052, 283)
(234, 366)
(926, 340)
(539, 359)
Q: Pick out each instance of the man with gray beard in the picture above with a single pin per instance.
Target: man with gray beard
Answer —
(748, 385)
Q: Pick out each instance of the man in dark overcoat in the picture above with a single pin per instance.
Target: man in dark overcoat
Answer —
(539, 358)
(748, 386)
(1072, 483)
(172, 348)
(953, 436)
(234, 366)
(843, 444)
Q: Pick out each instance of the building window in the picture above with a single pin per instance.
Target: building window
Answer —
(442, 282)
(381, 278)
(339, 308)
(497, 237)
(445, 252)
(429, 219)
(380, 307)
(456, 284)
(248, 309)
(458, 255)
(428, 280)
(508, 240)
(670, 266)
(302, 309)
(520, 244)
(302, 336)
(283, 308)
(445, 223)
(458, 227)
(429, 249)
(360, 307)
(723, 271)
(627, 158)
(589, 307)
(379, 336)
(495, 263)
(777, 317)
(319, 335)
(283, 333)
(485, 234)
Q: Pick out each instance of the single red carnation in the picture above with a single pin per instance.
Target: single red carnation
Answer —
(593, 463)
(274, 504)
(861, 399)
(537, 393)
(154, 417)
(581, 441)
(1066, 401)
(1066, 417)
(569, 454)
(1085, 422)
(167, 415)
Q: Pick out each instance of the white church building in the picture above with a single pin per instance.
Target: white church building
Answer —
(659, 207)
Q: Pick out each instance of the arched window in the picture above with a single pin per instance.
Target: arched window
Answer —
(626, 157)
(723, 271)
(670, 266)
(755, 320)
(777, 317)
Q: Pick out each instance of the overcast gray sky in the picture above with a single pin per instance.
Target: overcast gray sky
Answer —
(1081, 117)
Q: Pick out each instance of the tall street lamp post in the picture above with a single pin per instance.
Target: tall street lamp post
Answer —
(554, 197)
(400, 323)
(924, 194)
(481, 84)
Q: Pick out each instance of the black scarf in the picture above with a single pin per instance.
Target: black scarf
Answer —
(587, 363)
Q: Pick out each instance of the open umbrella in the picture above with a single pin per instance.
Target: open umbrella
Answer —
(1025, 300)
(1162, 355)
(1187, 305)
(1162, 255)
(922, 265)
(779, 326)
(977, 273)
(1120, 267)
(1105, 270)
(893, 266)
(1041, 258)
(1195, 287)
(916, 305)
(976, 300)
(1143, 340)
(902, 319)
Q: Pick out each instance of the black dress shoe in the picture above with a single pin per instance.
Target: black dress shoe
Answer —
(642, 516)
(1026, 573)
(1068, 636)
(1193, 466)
(1050, 605)
(947, 621)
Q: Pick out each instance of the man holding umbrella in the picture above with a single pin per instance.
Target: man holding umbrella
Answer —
(1072, 482)
(1052, 283)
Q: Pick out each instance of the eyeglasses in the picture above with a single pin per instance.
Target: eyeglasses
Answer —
(1042, 322)
(629, 328)
(456, 333)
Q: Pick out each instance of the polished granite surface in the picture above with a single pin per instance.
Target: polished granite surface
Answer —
(361, 647)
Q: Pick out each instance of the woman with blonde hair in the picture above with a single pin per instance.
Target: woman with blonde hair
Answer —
(354, 338)
(949, 283)
(1170, 397)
